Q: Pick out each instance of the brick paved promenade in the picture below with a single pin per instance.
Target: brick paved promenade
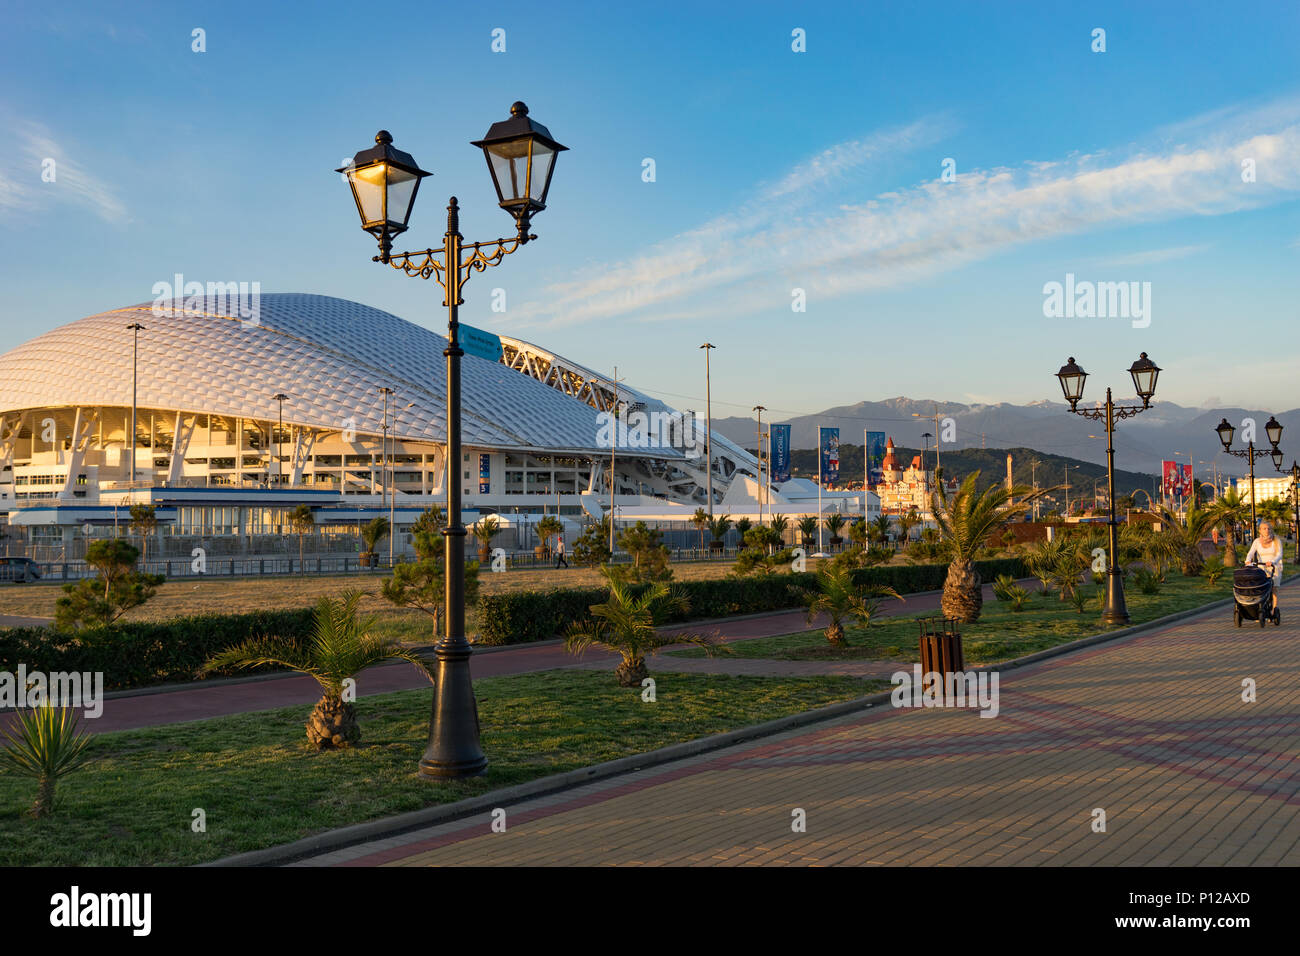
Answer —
(1151, 729)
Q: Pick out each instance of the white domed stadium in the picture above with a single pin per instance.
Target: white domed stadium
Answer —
(243, 415)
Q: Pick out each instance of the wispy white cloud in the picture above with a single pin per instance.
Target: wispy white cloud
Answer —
(1150, 256)
(25, 157)
(832, 247)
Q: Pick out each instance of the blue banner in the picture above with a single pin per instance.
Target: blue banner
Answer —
(875, 446)
(829, 442)
(477, 342)
(779, 449)
(484, 474)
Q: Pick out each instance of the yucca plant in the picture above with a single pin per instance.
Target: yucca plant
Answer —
(340, 647)
(44, 744)
(627, 624)
(841, 600)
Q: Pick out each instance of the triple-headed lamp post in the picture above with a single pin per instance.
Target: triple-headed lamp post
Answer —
(520, 156)
(1144, 373)
(1274, 432)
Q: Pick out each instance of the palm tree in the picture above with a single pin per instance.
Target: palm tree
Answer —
(964, 522)
(881, 527)
(484, 531)
(548, 528)
(341, 646)
(628, 626)
(1229, 510)
(835, 524)
(718, 528)
(807, 530)
(1180, 541)
(780, 524)
(907, 521)
(701, 521)
(302, 520)
(46, 746)
(372, 532)
(743, 525)
(858, 533)
(839, 599)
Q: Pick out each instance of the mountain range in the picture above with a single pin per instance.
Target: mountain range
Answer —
(1164, 431)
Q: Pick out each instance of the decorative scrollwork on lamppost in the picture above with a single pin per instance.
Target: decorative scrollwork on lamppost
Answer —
(1072, 378)
(520, 154)
(1273, 430)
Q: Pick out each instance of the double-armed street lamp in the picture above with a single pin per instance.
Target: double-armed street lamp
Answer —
(520, 154)
(1295, 501)
(1274, 432)
(1072, 377)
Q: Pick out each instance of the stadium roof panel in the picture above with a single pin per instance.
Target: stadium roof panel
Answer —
(329, 355)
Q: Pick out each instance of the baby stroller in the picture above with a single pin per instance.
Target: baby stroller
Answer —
(1252, 596)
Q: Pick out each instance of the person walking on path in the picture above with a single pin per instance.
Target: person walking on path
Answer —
(1266, 550)
(559, 552)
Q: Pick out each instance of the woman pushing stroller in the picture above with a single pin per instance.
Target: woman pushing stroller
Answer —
(1266, 552)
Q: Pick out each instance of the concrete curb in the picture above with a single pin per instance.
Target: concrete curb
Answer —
(543, 786)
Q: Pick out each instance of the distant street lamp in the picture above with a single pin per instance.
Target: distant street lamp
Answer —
(1295, 500)
(279, 439)
(758, 437)
(1144, 373)
(708, 425)
(135, 328)
(1273, 431)
(520, 155)
(384, 473)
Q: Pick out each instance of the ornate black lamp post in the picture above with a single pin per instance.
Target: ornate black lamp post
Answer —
(520, 156)
(1144, 373)
(1274, 432)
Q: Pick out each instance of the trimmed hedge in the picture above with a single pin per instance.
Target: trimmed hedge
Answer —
(521, 617)
(141, 653)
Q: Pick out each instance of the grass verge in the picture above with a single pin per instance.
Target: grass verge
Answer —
(260, 785)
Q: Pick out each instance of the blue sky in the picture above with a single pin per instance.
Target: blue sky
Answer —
(775, 171)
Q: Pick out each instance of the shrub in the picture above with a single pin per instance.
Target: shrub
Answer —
(520, 617)
(142, 653)
(1148, 581)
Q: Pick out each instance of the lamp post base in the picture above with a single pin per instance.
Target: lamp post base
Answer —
(1116, 609)
(453, 752)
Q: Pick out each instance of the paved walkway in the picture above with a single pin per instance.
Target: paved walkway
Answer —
(1151, 729)
(219, 700)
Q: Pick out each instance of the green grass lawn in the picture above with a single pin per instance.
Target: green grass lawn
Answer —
(1000, 634)
(260, 784)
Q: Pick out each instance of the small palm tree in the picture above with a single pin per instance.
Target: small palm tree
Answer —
(628, 625)
(341, 646)
(780, 524)
(718, 528)
(835, 524)
(701, 521)
(46, 746)
(1229, 510)
(807, 530)
(302, 520)
(484, 531)
(372, 532)
(964, 522)
(548, 528)
(1180, 540)
(144, 522)
(742, 525)
(838, 598)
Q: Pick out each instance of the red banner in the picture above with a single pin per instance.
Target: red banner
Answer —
(1177, 479)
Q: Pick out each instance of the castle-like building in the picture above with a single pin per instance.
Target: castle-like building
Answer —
(901, 489)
